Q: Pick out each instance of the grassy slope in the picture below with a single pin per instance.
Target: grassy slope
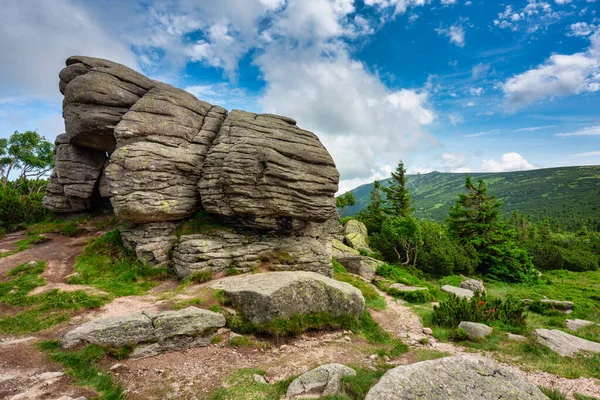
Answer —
(564, 194)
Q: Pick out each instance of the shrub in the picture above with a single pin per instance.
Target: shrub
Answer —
(480, 308)
(18, 208)
(200, 276)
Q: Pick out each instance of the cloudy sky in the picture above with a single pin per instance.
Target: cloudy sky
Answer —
(446, 85)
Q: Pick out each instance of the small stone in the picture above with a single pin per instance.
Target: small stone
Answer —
(234, 335)
(325, 380)
(475, 330)
(347, 338)
(460, 292)
(428, 331)
(259, 379)
(118, 368)
(473, 285)
(49, 375)
(518, 338)
(373, 357)
(564, 344)
(386, 358)
(576, 324)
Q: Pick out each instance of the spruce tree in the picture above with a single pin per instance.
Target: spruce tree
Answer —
(374, 215)
(397, 196)
(475, 220)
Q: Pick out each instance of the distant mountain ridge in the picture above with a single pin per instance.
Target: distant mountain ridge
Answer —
(566, 195)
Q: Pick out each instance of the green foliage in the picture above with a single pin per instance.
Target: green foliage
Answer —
(200, 276)
(245, 341)
(566, 196)
(374, 214)
(202, 222)
(372, 299)
(108, 265)
(33, 313)
(19, 207)
(475, 221)
(553, 393)
(343, 201)
(439, 255)
(480, 308)
(356, 387)
(397, 274)
(402, 239)
(277, 257)
(397, 203)
(241, 385)
(29, 153)
(83, 366)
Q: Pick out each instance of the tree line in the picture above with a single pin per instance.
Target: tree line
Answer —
(474, 238)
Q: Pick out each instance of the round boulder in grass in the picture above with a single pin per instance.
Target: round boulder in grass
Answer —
(263, 298)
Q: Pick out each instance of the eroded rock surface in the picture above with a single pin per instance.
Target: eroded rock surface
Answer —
(475, 330)
(325, 380)
(153, 333)
(564, 344)
(460, 292)
(356, 235)
(473, 285)
(224, 249)
(152, 242)
(360, 265)
(464, 377)
(280, 295)
(265, 172)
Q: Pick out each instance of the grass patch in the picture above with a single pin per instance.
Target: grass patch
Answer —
(108, 265)
(356, 387)
(25, 244)
(372, 299)
(241, 385)
(553, 393)
(416, 297)
(203, 223)
(187, 303)
(68, 228)
(590, 332)
(245, 341)
(199, 277)
(35, 313)
(82, 365)
(427, 354)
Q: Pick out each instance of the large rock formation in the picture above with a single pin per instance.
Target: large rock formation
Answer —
(463, 377)
(160, 155)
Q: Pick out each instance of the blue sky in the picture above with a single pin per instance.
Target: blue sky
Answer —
(446, 85)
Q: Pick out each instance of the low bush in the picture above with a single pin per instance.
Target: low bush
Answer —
(19, 208)
(480, 308)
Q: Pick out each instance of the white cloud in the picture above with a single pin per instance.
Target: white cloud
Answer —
(533, 16)
(454, 161)
(470, 104)
(580, 29)
(448, 2)
(455, 118)
(37, 36)
(476, 91)
(588, 131)
(398, 6)
(589, 154)
(455, 33)
(562, 1)
(560, 75)
(508, 162)
(480, 71)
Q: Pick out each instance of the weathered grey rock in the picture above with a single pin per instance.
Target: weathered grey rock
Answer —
(152, 242)
(460, 292)
(222, 250)
(464, 377)
(473, 285)
(405, 288)
(576, 324)
(75, 177)
(325, 380)
(259, 379)
(152, 333)
(274, 295)
(356, 235)
(564, 344)
(266, 173)
(360, 265)
(517, 338)
(341, 250)
(475, 330)
(162, 143)
(98, 93)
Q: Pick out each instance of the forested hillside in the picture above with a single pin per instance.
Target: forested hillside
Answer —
(568, 196)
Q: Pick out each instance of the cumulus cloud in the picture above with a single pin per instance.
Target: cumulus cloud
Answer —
(580, 29)
(560, 75)
(533, 16)
(448, 2)
(455, 118)
(508, 162)
(476, 91)
(398, 6)
(37, 36)
(456, 34)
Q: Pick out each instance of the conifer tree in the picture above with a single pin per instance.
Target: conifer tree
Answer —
(397, 196)
(374, 214)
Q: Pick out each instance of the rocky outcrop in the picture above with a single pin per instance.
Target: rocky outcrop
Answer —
(360, 265)
(74, 181)
(224, 249)
(322, 381)
(400, 287)
(564, 344)
(577, 324)
(475, 330)
(263, 298)
(150, 333)
(473, 285)
(265, 172)
(341, 250)
(464, 377)
(460, 292)
(356, 235)
(151, 242)
(160, 155)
